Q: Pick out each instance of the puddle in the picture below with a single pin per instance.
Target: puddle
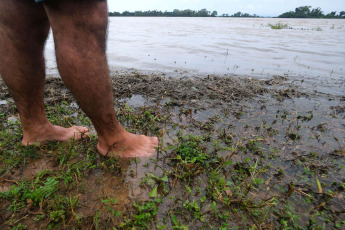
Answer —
(135, 101)
(3, 102)
(74, 105)
(13, 119)
(33, 168)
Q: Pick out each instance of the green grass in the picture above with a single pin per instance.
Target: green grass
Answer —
(207, 175)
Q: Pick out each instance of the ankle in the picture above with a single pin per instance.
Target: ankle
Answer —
(36, 128)
(108, 139)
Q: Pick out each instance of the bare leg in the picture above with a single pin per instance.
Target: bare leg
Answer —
(79, 29)
(24, 28)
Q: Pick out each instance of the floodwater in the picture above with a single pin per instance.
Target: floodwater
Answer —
(309, 48)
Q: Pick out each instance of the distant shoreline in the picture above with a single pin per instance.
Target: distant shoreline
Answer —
(300, 12)
(213, 17)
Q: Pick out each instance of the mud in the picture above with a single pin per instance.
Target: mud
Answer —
(297, 128)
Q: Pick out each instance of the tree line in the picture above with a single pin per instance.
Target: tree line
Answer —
(308, 12)
(174, 13)
(240, 14)
(178, 13)
(300, 12)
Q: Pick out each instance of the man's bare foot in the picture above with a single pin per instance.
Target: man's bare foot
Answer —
(53, 133)
(129, 145)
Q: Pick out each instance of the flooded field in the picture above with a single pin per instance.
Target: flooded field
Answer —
(251, 125)
(308, 48)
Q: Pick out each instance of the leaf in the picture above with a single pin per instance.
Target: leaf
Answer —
(174, 220)
(151, 175)
(227, 163)
(164, 178)
(319, 187)
(105, 201)
(153, 193)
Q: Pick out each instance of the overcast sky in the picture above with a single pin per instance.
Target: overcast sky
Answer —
(259, 7)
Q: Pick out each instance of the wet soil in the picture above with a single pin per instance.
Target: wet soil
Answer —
(299, 133)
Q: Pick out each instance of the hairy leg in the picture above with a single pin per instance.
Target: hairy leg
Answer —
(24, 27)
(79, 29)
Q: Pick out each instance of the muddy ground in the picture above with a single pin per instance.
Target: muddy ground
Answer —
(235, 152)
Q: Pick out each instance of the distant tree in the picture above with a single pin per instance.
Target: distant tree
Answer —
(302, 11)
(342, 14)
(138, 13)
(331, 15)
(290, 14)
(174, 13)
(127, 13)
(307, 12)
(238, 14)
(203, 13)
(316, 13)
(114, 13)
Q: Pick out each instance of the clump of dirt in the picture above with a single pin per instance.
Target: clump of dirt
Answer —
(201, 92)
(187, 90)
(338, 109)
(276, 80)
(282, 94)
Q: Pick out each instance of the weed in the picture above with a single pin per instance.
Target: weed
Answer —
(20, 227)
(306, 118)
(279, 26)
(144, 214)
(190, 157)
(177, 226)
(293, 136)
(109, 203)
(35, 192)
(254, 146)
(193, 208)
(318, 28)
(161, 182)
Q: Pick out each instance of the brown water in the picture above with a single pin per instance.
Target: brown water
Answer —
(312, 48)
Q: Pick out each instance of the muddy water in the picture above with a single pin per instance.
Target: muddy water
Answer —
(310, 48)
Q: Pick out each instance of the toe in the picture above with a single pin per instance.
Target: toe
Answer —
(81, 129)
(155, 140)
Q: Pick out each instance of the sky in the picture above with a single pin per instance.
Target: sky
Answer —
(259, 7)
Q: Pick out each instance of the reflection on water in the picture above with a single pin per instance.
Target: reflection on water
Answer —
(312, 48)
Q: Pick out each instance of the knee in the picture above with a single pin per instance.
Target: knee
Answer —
(79, 24)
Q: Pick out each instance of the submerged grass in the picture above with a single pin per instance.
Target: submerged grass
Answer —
(279, 26)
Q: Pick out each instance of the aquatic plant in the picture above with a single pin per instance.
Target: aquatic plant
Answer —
(279, 26)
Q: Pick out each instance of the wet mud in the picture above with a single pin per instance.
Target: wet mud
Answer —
(292, 133)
